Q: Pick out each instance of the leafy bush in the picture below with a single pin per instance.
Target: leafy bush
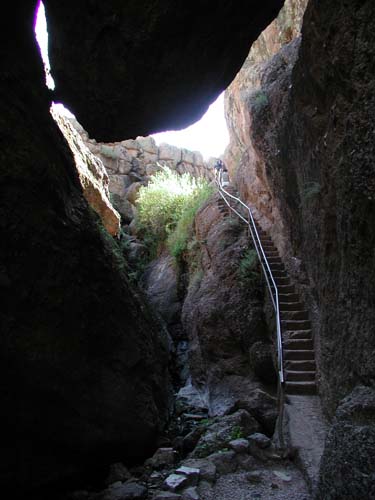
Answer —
(248, 269)
(179, 238)
(167, 206)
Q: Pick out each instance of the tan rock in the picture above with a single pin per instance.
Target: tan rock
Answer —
(92, 175)
(168, 152)
(132, 192)
(147, 144)
(118, 184)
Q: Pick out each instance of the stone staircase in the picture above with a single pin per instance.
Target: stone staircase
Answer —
(298, 347)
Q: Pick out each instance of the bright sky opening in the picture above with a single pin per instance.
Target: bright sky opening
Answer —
(209, 135)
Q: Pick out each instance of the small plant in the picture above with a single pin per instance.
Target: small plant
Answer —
(248, 269)
(207, 421)
(310, 190)
(178, 240)
(237, 433)
(259, 99)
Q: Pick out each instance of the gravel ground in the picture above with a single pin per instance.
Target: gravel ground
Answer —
(282, 483)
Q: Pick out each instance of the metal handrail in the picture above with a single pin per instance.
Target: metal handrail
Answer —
(265, 267)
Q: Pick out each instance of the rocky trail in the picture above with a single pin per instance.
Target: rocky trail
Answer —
(226, 461)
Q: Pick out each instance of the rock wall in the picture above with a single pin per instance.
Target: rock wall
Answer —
(130, 163)
(310, 147)
(221, 311)
(92, 175)
(82, 360)
(254, 99)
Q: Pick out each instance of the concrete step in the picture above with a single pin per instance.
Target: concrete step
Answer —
(274, 260)
(291, 306)
(298, 334)
(294, 315)
(272, 253)
(281, 281)
(298, 344)
(280, 274)
(296, 376)
(296, 365)
(285, 297)
(269, 245)
(301, 388)
(291, 324)
(286, 289)
(298, 355)
(275, 266)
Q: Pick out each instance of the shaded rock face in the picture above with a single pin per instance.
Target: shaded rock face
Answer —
(148, 66)
(222, 315)
(92, 175)
(82, 360)
(164, 291)
(216, 318)
(309, 148)
(348, 463)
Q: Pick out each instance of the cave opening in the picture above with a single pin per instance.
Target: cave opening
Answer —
(208, 135)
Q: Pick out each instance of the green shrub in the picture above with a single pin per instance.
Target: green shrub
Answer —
(167, 206)
(248, 269)
(178, 240)
(237, 433)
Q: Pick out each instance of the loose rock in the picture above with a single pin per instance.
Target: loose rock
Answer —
(224, 461)
(176, 482)
(239, 445)
(190, 472)
(167, 495)
(191, 494)
(206, 468)
(162, 457)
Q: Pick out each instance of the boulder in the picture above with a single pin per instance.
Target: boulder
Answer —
(117, 472)
(192, 473)
(219, 434)
(168, 152)
(162, 457)
(191, 494)
(132, 192)
(239, 445)
(166, 495)
(207, 469)
(224, 461)
(262, 407)
(176, 482)
(347, 468)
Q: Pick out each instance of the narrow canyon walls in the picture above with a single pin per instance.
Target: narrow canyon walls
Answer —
(83, 362)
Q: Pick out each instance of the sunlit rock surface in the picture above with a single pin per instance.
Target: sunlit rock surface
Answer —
(92, 175)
